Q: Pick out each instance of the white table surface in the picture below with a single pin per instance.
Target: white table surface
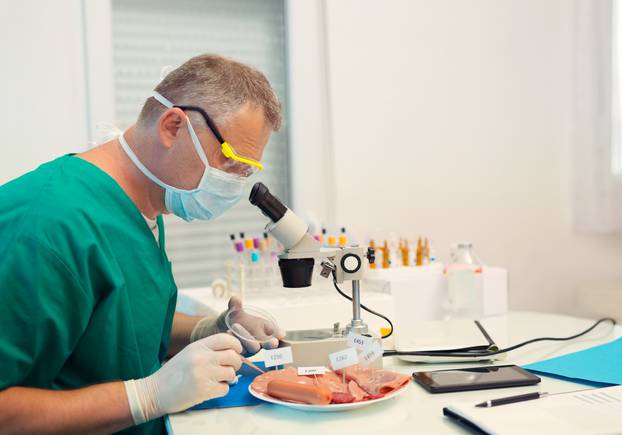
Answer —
(312, 307)
(415, 411)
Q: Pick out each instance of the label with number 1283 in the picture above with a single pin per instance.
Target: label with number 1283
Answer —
(359, 341)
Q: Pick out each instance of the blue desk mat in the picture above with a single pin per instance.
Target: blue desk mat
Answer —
(238, 393)
(597, 366)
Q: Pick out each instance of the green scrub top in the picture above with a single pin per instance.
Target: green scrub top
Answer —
(86, 293)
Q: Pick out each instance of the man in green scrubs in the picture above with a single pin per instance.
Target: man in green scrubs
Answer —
(87, 297)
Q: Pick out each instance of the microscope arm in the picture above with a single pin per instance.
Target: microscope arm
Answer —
(301, 250)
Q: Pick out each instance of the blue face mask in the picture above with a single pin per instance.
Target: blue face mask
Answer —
(217, 191)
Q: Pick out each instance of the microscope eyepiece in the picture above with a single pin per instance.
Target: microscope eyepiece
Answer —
(270, 205)
(288, 229)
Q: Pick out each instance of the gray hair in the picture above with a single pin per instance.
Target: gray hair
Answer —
(219, 85)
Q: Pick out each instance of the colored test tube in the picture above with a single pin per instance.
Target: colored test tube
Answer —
(372, 245)
(405, 253)
(323, 236)
(343, 238)
(385, 255)
(419, 254)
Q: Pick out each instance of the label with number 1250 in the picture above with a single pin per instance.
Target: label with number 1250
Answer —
(279, 356)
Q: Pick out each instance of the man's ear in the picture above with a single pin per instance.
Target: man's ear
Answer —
(169, 124)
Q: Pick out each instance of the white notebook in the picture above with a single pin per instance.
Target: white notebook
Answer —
(596, 411)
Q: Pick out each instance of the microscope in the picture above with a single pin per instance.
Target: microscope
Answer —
(296, 263)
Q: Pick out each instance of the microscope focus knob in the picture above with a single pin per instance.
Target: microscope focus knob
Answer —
(371, 255)
(350, 263)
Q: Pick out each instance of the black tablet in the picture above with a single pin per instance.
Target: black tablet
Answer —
(475, 378)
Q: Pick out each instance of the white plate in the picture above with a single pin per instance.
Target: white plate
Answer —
(327, 408)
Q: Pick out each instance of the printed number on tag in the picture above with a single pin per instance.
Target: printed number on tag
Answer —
(343, 358)
(279, 356)
(304, 371)
(359, 341)
(372, 353)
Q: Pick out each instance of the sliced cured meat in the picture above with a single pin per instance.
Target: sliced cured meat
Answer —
(331, 381)
(376, 382)
(260, 383)
(342, 398)
(299, 392)
(361, 384)
(357, 392)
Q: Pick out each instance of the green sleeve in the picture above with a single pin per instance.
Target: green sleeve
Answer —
(44, 310)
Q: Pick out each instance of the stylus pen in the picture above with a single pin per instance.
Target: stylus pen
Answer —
(511, 399)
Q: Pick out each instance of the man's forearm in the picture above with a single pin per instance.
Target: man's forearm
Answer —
(184, 325)
(101, 408)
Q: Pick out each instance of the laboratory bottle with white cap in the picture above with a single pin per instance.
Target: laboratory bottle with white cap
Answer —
(465, 293)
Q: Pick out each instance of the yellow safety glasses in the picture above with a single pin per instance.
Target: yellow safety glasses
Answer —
(230, 153)
(236, 164)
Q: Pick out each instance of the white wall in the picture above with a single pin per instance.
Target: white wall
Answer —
(449, 119)
(309, 112)
(452, 119)
(41, 83)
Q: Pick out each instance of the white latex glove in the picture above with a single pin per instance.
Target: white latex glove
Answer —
(247, 325)
(201, 371)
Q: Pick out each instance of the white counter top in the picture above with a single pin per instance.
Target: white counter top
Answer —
(416, 411)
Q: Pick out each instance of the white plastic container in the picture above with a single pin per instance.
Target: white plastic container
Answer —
(418, 293)
(422, 293)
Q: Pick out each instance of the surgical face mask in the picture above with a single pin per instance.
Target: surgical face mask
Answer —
(217, 191)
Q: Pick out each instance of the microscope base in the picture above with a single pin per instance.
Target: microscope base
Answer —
(311, 347)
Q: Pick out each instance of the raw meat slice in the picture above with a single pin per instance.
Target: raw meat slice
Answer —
(361, 383)
(342, 398)
(299, 393)
(340, 393)
(376, 382)
(260, 383)
(357, 392)
(331, 381)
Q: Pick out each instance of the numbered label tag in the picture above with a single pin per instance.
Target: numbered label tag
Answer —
(279, 356)
(359, 341)
(343, 358)
(304, 371)
(373, 352)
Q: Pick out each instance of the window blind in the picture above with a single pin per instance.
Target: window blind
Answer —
(148, 35)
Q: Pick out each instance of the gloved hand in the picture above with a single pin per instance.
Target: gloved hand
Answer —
(201, 371)
(248, 326)
(244, 324)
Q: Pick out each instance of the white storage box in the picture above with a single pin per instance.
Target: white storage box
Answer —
(422, 293)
